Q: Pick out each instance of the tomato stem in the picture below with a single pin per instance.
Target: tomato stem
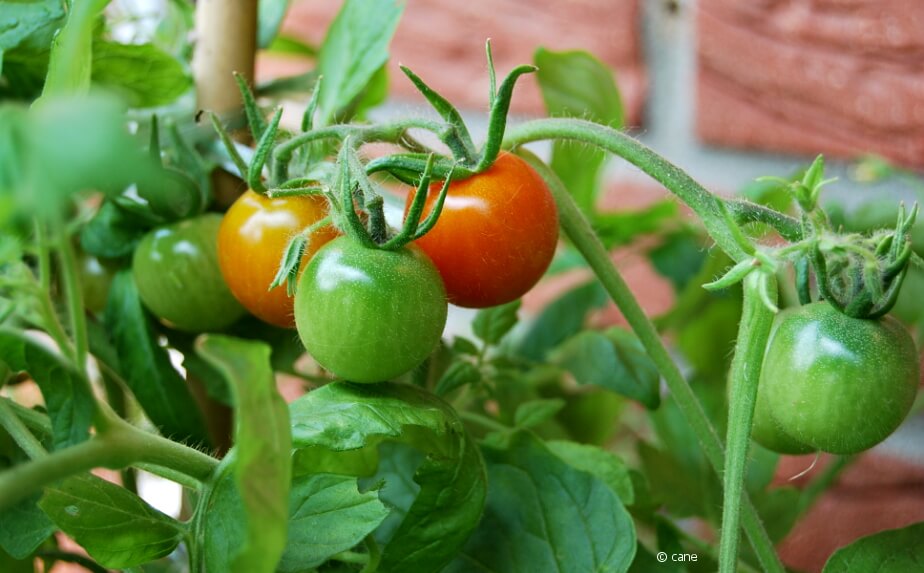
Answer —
(17, 430)
(753, 334)
(75, 304)
(578, 229)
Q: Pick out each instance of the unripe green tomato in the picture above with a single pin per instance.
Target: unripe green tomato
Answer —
(176, 270)
(766, 431)
(836, 383)
(95, 279)
(369, 315)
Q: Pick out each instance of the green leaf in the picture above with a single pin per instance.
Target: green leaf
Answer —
(576, 84)
(262, 452)
(111, 233)
(544, 515)
(71, 51)
(9, 564)
(492, 324)
(355, 48)
(116, 527)
(617, 228)
(31, 22)
(143, 74)
(606, 466)
(894, 551)
(269, 17)
(23, 527)
(343, 417)
(462, 345)
(67, 394)
(614, 360)
(283, 44)
(145, 365)
(532, 413)
(458, 374)
(560, 320)
(679, 258)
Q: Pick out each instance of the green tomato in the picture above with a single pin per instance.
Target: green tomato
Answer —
(176, 270)
(835, 383)
(95, 279)
(766, 430)
(369, 315)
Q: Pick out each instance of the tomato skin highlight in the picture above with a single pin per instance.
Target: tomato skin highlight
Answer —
(369, 315)
(251, 242)
(176, 271)
(496, 234)
(95, 279)
(835, 383)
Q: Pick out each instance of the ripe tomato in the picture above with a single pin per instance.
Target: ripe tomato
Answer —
(369, 315)
(176, 270)
(496, 235)
(252, 239)
(835, 383)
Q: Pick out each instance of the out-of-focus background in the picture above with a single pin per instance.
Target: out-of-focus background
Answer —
(729, 91)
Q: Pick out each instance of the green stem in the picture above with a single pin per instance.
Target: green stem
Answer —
(579, 230)
(704, 203)
(375, 555)
(483, 421)
(753, 334)
(19, 432)
(74, 558)
(44, 256)
(120, 446)
(75, 305)
(36, 422)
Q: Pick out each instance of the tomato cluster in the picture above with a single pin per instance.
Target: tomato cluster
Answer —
(833, 383)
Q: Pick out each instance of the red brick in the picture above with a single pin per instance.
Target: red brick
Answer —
(842, 77)
(443, 42)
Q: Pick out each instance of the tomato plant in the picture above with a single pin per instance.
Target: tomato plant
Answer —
(496, 236)
(176, 270)
(392, 432)
(369, 315)
(826, 372)
(251, 241)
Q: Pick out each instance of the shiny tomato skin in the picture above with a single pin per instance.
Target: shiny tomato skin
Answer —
(175, 268)
(835, 383)
(369, 315)
(496, 234)
(766, 430)
(251, 242)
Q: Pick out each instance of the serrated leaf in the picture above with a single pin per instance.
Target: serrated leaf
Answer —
(532, 413)
(575, 522)
(145, 365)
(457, 375)
(894, 551)
(596, 461)
(67, 394)
(23, 527)
(262, 463)
(355, 48)
(344, 417)
(614, 360)
(492, 324)
(116, 527)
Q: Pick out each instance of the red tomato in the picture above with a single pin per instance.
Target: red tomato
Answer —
(496, 235)
(253, 237)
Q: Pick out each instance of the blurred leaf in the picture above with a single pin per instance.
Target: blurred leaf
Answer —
(679, 258)
(262, 463)
(622, 227)
(779, 509)
(608, 467)
(685, 490)
(560, 320)
(576, 84)
(70, 62)
(535, 412)
(896, 551)
(145, 365)
(708, 339)
(355, 48)
(614, 360)
(283, 44)
(342, 417)
(68, 397)
(575, 521)
(269, 18)
(9, 564)
(111, 233)
(462, 345)
(30, 22)
(116, 527)
(459, 374)
(591, 415)
(394, 480)
(142, 74)
(492, 324)
(771, 193)
(24, 527)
